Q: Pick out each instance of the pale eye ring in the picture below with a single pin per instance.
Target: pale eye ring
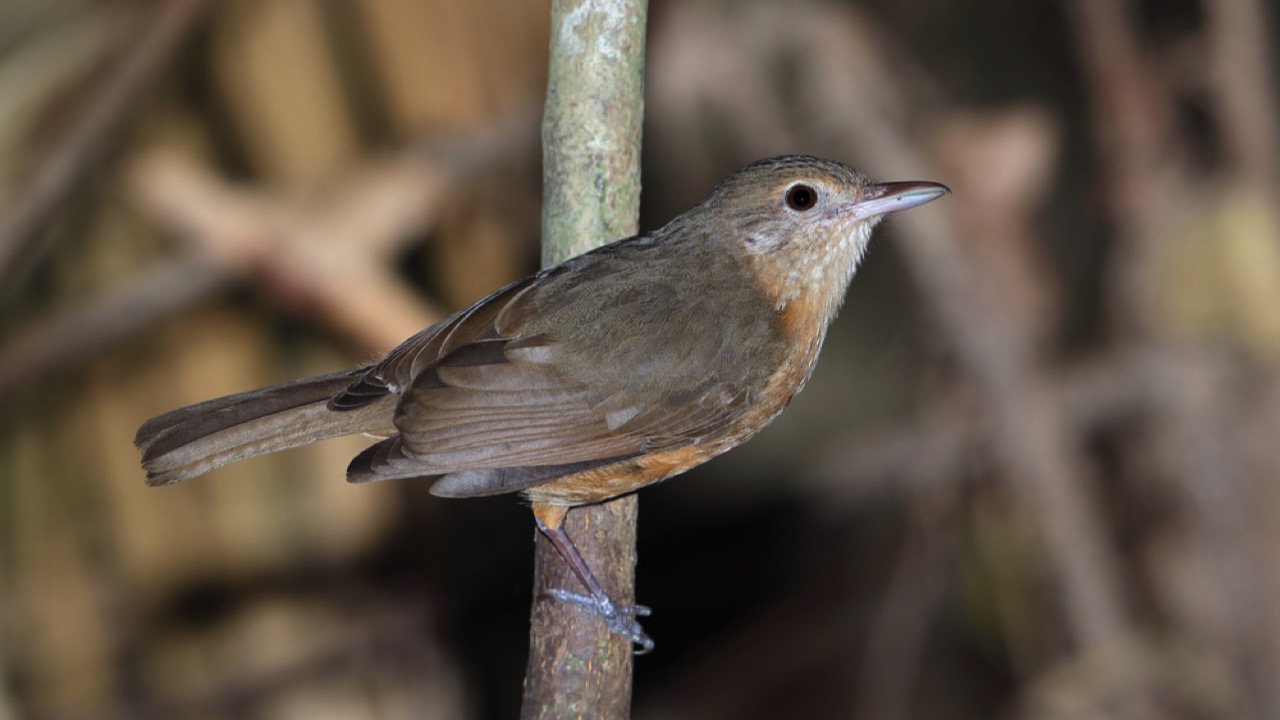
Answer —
(801, 197)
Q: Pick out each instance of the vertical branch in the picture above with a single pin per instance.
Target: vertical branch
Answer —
(591, 195)
(1139, 156)
(591, 125)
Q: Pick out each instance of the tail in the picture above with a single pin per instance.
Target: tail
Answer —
(194, 440)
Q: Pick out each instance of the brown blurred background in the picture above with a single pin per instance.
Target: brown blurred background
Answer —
(1034, 475)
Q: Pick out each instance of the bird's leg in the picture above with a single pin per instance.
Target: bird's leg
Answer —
(621, 619)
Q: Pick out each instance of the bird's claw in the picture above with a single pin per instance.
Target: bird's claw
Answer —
(620, 619)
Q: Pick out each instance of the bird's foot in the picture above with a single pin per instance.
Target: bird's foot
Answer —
(620, 619)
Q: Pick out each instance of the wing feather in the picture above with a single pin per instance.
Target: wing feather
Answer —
(493, 401)
(399, 368)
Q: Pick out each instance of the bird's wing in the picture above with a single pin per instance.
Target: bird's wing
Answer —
(507, 406)
(406, 361)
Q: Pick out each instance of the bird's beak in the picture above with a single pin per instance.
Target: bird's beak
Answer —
(884, 198)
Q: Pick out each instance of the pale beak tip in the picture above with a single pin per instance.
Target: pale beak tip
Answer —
(885, 198)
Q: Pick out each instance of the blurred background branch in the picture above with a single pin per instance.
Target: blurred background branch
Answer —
(99, 121)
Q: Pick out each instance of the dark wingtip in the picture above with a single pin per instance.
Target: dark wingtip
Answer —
(148, 431)
(160, 479)
(360, 469)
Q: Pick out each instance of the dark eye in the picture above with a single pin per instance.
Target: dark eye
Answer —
(801, 197)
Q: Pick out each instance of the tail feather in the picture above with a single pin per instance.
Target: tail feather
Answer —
(194, 440)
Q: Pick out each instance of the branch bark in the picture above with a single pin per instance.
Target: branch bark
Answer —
(591, 195)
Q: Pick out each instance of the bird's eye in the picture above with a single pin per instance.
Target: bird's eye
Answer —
(801, 197)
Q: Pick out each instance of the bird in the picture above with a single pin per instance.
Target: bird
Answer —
(613, 370)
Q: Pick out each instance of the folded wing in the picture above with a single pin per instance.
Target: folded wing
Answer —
(494, 409)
